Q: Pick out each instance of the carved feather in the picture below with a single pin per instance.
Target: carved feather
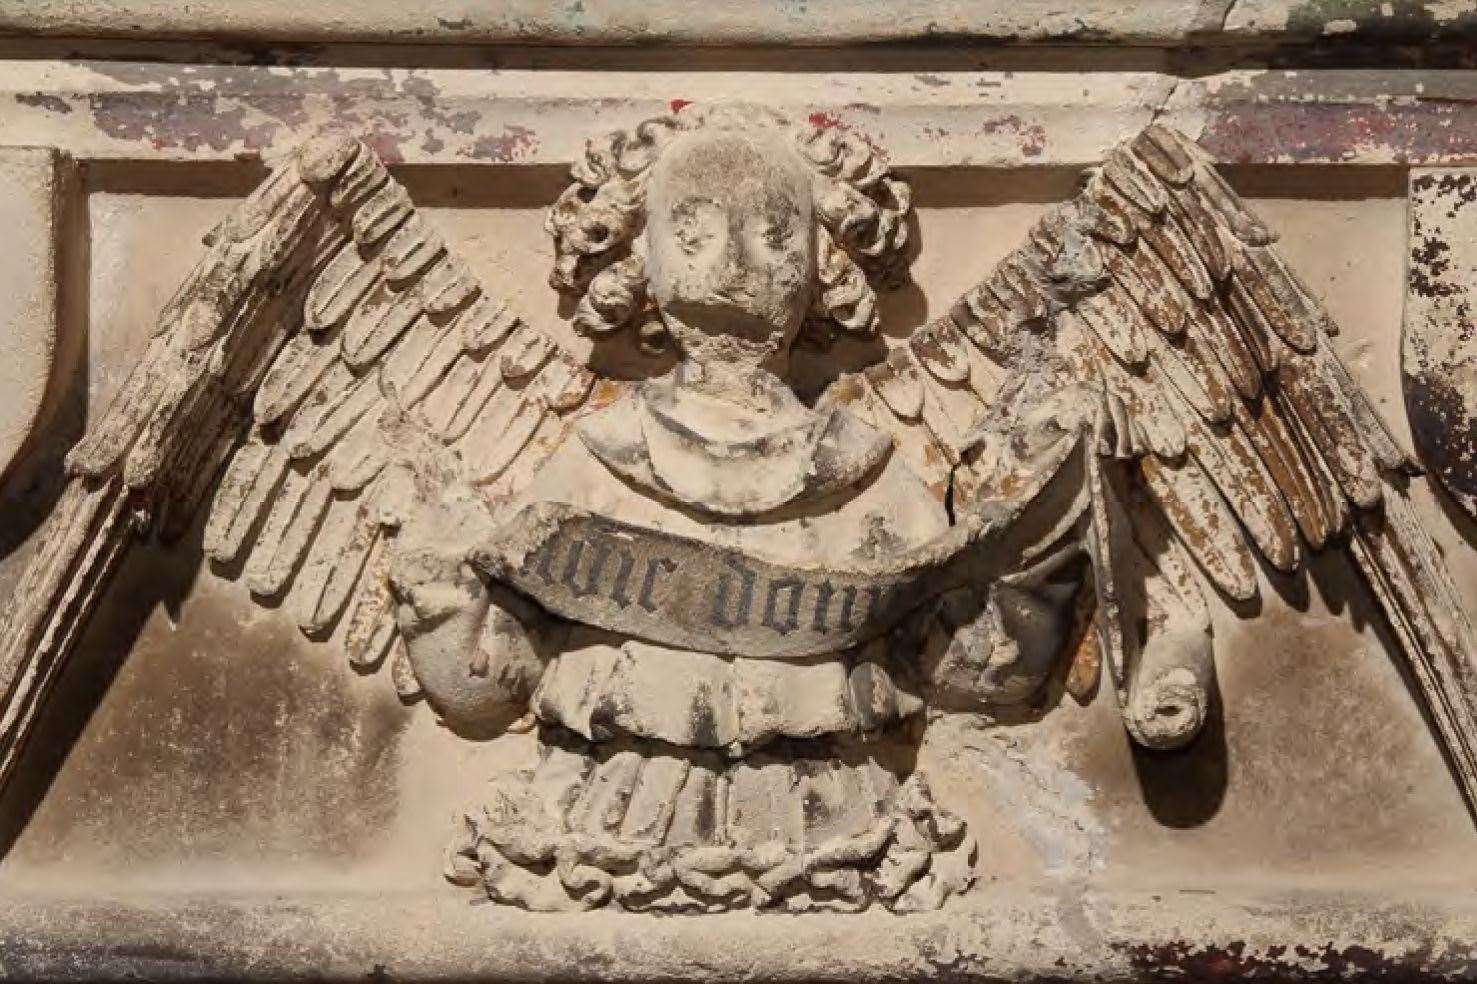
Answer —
(1134, 182)
(296, 512)
(1204, 524)
(293, 374)
(357, 459)
(449, 286)
(1222, 337)
(564, 384)
(1283, 458)
(1261, 273)
(940, 349)
(1170, 246)
(361, 178)
(1405, 571)
(318, 426)
(1321, 406)
(524, 353)
(417, 365)
(386, 208)
(378, 323)
(1231, 461)
(371, 628)
(1116, 326)
(456, 405)
(1162, 152)
(1265, 345)
(332, 566)
(339, 289)
(499, 437)
(1195, 375)
(983, 319)
(1146, 281)
(486, 322)
(214, 437)
(938, 417)
(1122, 216)
(410, 250)
(249, 486)
(87, 537)
(1202, 230)
(1015, 285)
(407, 686)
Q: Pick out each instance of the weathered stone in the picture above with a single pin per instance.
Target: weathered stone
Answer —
(1437, 344)
(713, 528)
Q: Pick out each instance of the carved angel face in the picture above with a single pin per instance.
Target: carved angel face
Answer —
(731, 244)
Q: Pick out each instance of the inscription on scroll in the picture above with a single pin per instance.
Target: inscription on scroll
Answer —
(682, 592)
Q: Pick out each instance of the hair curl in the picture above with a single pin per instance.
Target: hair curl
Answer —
(861, 212)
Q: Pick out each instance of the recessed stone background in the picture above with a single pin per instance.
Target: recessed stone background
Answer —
(225, 748)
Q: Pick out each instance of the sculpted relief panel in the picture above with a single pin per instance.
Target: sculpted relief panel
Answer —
(725, 602)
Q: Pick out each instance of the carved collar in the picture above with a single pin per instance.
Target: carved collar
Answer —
(689, 448)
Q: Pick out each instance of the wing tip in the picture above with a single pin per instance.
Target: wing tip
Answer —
(323, 158)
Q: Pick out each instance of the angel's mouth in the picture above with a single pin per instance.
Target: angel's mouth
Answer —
(724, 316)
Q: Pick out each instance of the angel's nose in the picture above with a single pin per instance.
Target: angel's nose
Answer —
(733, 269)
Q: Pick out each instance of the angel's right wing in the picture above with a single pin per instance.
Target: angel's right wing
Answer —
(1152, 320)
(326, 344)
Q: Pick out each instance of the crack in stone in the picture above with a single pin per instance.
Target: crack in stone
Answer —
(1162, 106)
(1226, 14)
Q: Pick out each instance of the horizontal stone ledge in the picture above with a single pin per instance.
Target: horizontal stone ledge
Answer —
(1073, 933)
(157, 112)
(744, 22)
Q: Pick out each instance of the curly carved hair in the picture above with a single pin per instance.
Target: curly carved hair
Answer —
(861, 212)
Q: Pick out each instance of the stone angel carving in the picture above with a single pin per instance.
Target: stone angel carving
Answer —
(714, 600)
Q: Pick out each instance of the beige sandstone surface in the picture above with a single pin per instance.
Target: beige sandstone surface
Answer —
(211, 794)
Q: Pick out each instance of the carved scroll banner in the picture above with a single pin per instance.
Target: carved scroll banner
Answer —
(683, 592)
(1439, 342)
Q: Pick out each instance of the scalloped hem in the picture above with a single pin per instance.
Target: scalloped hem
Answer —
(641, 829)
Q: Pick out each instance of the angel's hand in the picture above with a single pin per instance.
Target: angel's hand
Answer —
(1011, 459)
(1061, 414)
(997, 650)
(470, 643)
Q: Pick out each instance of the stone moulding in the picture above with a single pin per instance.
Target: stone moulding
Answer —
(1008, 935)
(33, 212)
(749, 22)
(146, 111)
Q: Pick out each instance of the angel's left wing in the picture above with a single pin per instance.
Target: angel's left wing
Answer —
(1152, 317)
(325, 353)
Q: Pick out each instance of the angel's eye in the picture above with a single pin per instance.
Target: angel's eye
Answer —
(690, 231)
(690, 237)
(693, 223)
